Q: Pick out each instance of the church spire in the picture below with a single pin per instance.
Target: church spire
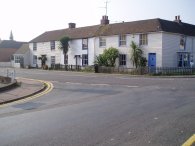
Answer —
(11, 36)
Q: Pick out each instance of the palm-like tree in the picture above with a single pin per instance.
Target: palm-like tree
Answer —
(136, 54)
(64, 46)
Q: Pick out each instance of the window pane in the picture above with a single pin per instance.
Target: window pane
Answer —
(84, 59)
(122, 59)
(122, 40)
(53, 60)
(52, 45)
(85, 43)
(102, 42)
(143, 39)
(34, 46)
(34, 59)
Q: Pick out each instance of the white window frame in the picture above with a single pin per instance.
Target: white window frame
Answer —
(122, 40)
(84, 59)
(122, 59)
(34, 59)
(52, 45)
(85, 44)
(143, 39)
(53, 60)
(102, 41)
(18, 59)
(34, 46)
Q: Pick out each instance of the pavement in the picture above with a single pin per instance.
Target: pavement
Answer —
(27, 88)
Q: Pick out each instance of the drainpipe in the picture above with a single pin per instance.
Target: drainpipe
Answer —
(94, 48)
(192, 49)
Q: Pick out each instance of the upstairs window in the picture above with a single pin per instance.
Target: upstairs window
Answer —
(52, 45)
(122, 59)
(85, 44)
(143, 39)
(102, 42)
(182, 42)
(34, 46)
(122, 40)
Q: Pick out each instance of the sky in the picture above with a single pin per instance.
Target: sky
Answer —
(29, 18)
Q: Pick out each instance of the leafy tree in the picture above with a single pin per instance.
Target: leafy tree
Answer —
(136, 56)
(64, 46)
(143, 61)
(101, 60)
(43, 59)
(108, 57)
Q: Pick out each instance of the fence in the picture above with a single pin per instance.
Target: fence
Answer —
(5, 72)
(65, 67)
(148, 70)
(5, 64)
(132, 71)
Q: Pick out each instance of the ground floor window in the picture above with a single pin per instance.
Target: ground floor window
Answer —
(19, 59)
(183, 59)
(53, 60)
(84, 59)
(122, 59)
(34, 59)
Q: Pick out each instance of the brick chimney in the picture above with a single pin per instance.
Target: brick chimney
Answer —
(177, 19)
(104, 20)
(71, 25)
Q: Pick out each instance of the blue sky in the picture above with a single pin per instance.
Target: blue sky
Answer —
(29, 18)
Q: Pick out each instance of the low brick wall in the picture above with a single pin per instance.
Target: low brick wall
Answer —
(7, 84)
(5, 80)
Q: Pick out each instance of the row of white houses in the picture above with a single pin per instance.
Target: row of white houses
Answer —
(165, 43)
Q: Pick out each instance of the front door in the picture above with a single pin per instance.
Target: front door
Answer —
(152, 59)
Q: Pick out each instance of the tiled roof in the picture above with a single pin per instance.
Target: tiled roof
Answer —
(10, 44)
(8, 48)
(6, 54)
(73, 33)
(23, 49)
(143, 26)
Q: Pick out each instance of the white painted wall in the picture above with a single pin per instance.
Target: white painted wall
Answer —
(165, 45)
(43, 48)
(171, 45)
(154, 46)
(76, 49)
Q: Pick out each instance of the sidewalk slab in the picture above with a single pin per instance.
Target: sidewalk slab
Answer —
(28, 87)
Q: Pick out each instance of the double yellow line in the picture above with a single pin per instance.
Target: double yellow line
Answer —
(190, 141)
(48, 86)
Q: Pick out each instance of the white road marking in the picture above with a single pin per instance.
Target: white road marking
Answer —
(77, 83)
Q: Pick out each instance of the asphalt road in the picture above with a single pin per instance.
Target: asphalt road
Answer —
(86, 109)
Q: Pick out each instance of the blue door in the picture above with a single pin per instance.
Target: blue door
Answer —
(152, 59)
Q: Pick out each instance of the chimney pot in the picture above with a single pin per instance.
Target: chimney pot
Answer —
(72, 25)
(178, 17)
(105, 20)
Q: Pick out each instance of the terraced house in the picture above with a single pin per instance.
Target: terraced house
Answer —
(165, 43)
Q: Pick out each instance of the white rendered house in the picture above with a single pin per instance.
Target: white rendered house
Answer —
(165, 43)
